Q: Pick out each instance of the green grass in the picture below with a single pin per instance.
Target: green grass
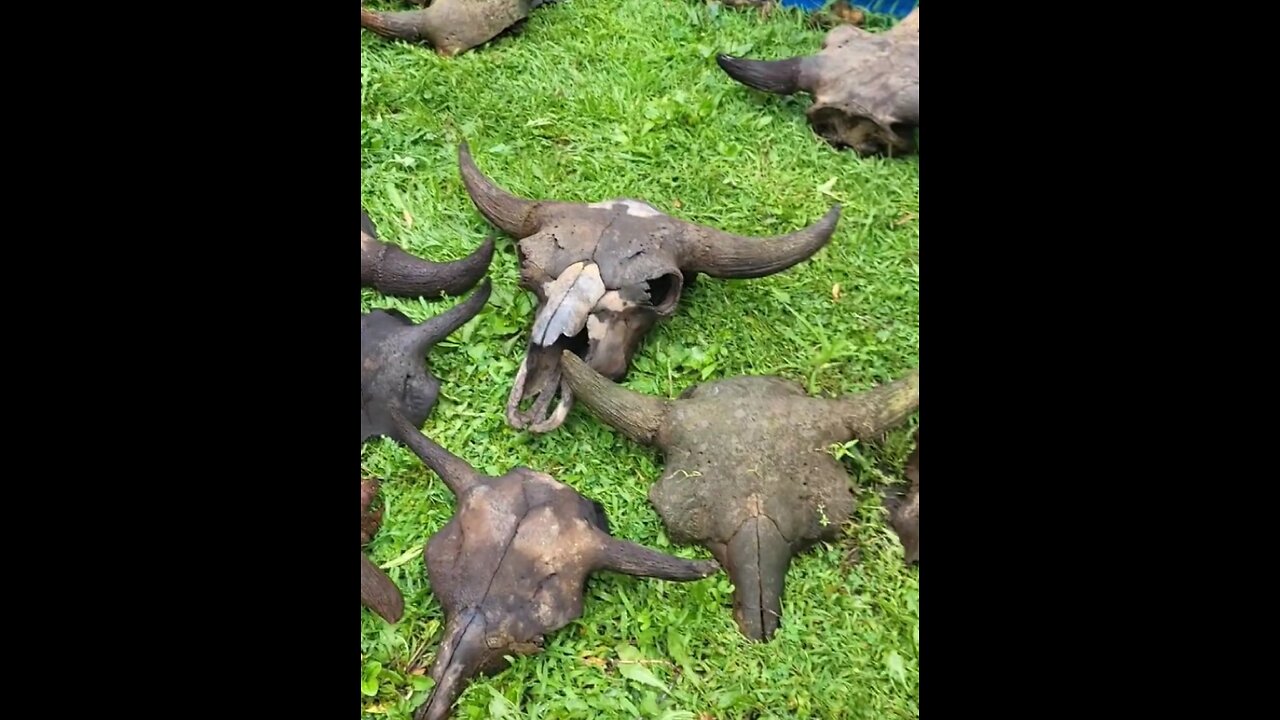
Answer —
(593, 100)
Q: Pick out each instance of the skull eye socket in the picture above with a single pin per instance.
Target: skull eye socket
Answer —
(664, 292)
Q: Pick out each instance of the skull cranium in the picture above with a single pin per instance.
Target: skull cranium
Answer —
(604, 273)
(866, 86)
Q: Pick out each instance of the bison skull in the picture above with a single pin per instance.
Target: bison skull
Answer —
(604, 273)
(393, 367)
(510, 565)
(392, 271)
(451, 26)
(748, 473)
(866, 86)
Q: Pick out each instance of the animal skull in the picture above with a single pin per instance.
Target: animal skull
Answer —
(604, 273)
(392, 271)
(510, 565)
(747, 470)
(451, 26)
(866, 86)
(393, 370)
(377, 592)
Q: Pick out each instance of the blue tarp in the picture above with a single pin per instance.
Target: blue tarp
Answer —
(896, 8)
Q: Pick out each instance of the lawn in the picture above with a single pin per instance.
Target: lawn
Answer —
(594, 100)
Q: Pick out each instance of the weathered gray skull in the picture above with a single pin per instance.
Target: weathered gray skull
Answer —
(747, 470)
(451, 26)
(510, 566)
(604, 273)
(866, 86)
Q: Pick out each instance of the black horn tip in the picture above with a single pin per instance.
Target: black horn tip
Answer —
(775, 76)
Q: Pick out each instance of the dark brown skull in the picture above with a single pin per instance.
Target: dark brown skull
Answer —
(904, 513)
(748, 473)
(866, 86)
(377, 592)
(392, 271)
(450, 26)
(604, 273)
(510, 565)
(393, 366)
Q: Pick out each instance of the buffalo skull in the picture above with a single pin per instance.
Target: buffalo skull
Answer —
(377, 592)
(394, 376)
(392, 271)
(748, 473)
(866, 86)
(604, 273)
(450, 26)
(510, 565)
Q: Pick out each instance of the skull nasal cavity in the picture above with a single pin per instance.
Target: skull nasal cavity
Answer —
(664, 292)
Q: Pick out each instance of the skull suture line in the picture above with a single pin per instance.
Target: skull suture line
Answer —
(511, 564)
(604, 273)
(866, 86)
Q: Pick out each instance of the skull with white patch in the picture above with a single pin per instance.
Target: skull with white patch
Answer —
(604, 273)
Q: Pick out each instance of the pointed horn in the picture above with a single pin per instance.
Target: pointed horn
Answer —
(453, 470)
(429, 332)
(392, 271)
(461, 655)
(720, 254)
(623, 556)
(782, 77)
(515, 216)
(636, 415)
(870, 414)
(366, 225)
(378, 593)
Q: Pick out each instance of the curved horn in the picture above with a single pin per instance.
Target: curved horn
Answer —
(378, 593)
(720, 254)
(392, 271)
(409, 25)
(782, 77)
(453, 470)
(515, 216)
(627, 557)
(429, 332)
(869, 414)
(636, 415)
